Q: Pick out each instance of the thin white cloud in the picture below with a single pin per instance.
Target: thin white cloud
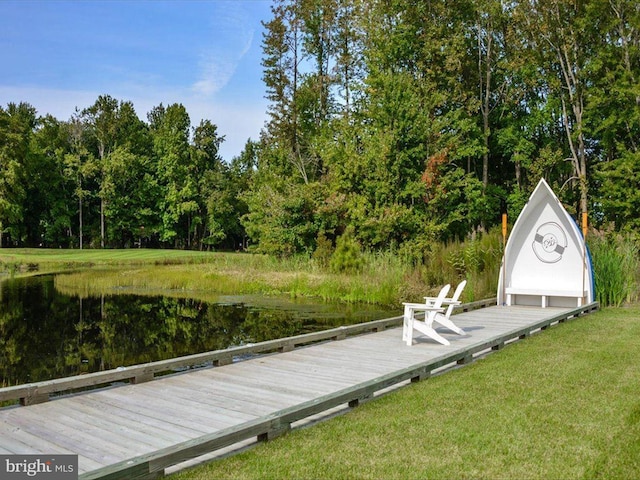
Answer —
(231, 40)
(215, 75)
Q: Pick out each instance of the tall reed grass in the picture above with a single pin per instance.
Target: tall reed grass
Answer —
(616, 267)
(476, 260)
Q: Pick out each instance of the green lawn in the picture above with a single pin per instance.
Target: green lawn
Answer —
(564, 404)
(49, 256)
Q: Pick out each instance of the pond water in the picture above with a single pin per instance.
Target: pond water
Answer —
(44, 334)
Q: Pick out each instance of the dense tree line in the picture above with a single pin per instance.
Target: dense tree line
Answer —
(395, 122)
(105, 178)
(416, 120)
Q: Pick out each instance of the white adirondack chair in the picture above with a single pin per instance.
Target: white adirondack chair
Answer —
(443, 318)
(430, 308)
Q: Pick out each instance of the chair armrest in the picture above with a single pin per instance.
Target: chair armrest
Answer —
(451, 302)
(445, 301)
(423, 306)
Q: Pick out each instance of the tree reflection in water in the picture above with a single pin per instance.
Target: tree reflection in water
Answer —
(44, 334)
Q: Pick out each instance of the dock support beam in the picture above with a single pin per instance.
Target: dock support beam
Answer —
(423, 375)
(357, 401)
(465, 360)
(143, 377)
(34, 399)
(226, 360)
(277, 429)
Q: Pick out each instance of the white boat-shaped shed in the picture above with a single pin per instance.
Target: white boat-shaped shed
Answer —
(546, 261)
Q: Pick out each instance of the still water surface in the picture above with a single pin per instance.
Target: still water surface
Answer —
(44, 334)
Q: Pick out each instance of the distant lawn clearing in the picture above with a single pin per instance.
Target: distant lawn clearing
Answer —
(46, 256)
(564, 404)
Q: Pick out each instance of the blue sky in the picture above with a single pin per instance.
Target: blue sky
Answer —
(206, 54)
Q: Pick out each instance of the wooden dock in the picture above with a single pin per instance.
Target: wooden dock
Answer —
(138, 429)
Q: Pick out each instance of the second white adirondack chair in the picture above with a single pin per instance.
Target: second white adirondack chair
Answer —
(431, 308)
(443, 318)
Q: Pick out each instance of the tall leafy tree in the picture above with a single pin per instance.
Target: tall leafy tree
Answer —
(613, 111)
(131, 196)
(128, 189)
(348, 69)
(209, 172)
(79, 167)
(102, 121)
(17, 123)
(49, 206)
(170, 131)
(418, 112)
(280, 65)
(283, 49)
(318, 18)
(561, 34)
(488, 26)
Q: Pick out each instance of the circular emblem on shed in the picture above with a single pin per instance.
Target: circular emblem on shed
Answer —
(550, 242)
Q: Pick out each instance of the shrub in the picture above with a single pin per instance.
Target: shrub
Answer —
(324, 250)
(347, 257)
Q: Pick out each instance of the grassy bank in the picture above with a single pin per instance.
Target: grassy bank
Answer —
(562, 404)
(384, 278)
(232, 274)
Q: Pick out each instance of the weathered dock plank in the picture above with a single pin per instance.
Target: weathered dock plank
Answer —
(321, 368)
(86, 445)
(15, 440)
(233, 389)
(136, 431)
(130, 426)
(226, 394)
(140, 414)
(254, 386)
(178, 411)
(321, 381)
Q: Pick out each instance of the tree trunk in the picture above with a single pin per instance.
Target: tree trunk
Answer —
(80, 218)
(101, 149)
(102, 223)
(486, 100)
